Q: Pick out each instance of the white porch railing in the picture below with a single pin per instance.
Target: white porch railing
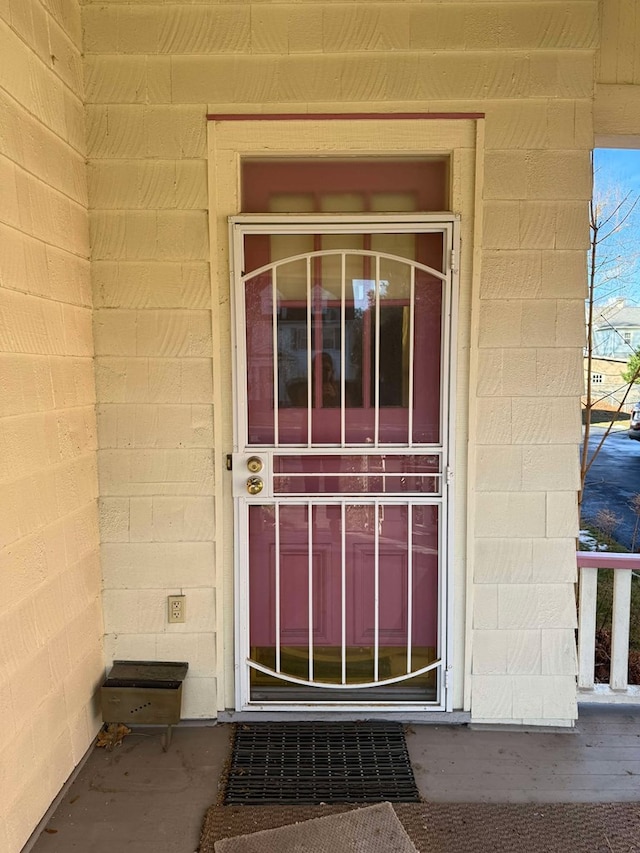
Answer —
(618, 689)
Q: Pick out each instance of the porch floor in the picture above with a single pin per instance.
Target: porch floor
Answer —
(143, 800)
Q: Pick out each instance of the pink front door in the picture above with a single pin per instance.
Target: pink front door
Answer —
(341, 460)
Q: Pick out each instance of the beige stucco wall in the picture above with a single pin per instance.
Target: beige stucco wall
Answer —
(617, 94)
(148, 197)
(152, 72)
(50, 611)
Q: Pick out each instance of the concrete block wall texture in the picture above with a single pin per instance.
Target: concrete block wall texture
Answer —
(51, 626)
(152, 295)
(152, 72)
(617, 60)
(617, 94)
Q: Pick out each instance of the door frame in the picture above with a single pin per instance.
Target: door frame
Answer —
(315, 223)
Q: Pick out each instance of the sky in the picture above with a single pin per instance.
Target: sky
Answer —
(617, 165)
(616, 174)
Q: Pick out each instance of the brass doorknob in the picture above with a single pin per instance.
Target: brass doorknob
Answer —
(254, 485)
(254, 464)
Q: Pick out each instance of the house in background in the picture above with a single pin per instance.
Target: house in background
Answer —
(190, 195)
(610, 393)
(616, 330)
(616, 336)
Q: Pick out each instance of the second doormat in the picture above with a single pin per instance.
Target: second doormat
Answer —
(311, 763)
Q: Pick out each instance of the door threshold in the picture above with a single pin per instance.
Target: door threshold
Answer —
(422, 718)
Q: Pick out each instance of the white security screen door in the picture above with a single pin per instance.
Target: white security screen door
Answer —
(341, 460)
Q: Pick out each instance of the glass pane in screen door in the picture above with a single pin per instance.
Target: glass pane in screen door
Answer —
(343, 594)
(357, 340)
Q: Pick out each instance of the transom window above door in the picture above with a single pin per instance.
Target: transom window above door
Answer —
(331, 185)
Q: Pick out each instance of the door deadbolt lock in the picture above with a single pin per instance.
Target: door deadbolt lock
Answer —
(255, 485)
(255, 464)
(251, 475)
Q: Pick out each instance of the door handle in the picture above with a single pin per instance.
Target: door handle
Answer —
(255, 485)
(252, 473)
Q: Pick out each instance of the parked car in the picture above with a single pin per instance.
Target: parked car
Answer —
(634, 425)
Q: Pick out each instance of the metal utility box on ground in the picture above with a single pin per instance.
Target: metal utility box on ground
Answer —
(144, 692)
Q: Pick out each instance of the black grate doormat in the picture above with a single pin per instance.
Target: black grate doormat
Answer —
(311, 763)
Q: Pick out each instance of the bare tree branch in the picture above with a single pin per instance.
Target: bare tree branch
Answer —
(622, 221)
(604, 270)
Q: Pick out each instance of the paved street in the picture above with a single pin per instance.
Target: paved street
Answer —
(613, 480)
